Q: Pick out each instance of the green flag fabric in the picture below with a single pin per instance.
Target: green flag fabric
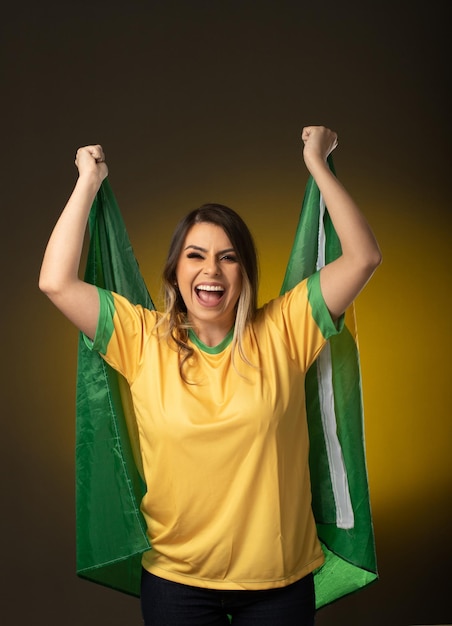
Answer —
(340, 493)
(110, 531)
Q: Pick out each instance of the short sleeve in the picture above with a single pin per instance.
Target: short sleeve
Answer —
(302, 321)
(105, 327)
(122, 332)
(320, 311)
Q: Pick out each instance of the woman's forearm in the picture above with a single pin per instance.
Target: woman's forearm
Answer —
(59, 278)
(61, 261)
(355, 235)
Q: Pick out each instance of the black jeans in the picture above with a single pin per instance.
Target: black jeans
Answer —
(165, 603)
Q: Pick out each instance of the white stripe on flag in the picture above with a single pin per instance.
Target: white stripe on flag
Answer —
(338, 473)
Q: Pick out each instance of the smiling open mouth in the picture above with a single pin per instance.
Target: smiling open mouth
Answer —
(209, 294)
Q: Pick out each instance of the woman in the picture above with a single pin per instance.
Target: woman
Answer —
(218, 392)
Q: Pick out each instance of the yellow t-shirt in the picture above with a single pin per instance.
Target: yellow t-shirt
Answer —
(228, 502)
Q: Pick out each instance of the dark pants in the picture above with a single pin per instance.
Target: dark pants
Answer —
(165, 603)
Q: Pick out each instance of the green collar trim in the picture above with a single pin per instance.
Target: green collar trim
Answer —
(211, 349)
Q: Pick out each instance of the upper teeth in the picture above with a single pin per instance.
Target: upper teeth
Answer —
(210, 287)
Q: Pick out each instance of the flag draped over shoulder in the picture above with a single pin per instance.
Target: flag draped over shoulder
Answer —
(340, 493)
(110, 530)
(111, 534)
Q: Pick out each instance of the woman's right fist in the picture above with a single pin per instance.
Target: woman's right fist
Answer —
(90, 160)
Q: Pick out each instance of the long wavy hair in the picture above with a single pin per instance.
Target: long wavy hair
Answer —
(174, 318)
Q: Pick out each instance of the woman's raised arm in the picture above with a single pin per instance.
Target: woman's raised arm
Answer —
(59, 277)
(342, 279)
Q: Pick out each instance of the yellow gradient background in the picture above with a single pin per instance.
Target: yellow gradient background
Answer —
(205, 101)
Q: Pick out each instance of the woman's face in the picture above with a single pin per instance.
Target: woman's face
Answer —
(209, 278)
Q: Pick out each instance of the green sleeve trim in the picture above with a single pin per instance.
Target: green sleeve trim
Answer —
(105, 327)
(320, 311)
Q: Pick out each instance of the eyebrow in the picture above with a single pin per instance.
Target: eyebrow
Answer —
(193, 247)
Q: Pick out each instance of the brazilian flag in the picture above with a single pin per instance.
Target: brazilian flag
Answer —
(334, 407)
(111, 534)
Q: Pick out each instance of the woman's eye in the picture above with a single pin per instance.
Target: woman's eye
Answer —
(229, 257)
(194, 255)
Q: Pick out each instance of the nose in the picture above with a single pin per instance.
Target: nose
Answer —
(211, 266)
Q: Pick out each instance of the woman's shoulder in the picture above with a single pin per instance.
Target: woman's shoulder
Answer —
(298, 292)
(121, 306)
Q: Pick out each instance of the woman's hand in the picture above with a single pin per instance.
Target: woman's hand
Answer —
(90, 162)
(319, 142)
